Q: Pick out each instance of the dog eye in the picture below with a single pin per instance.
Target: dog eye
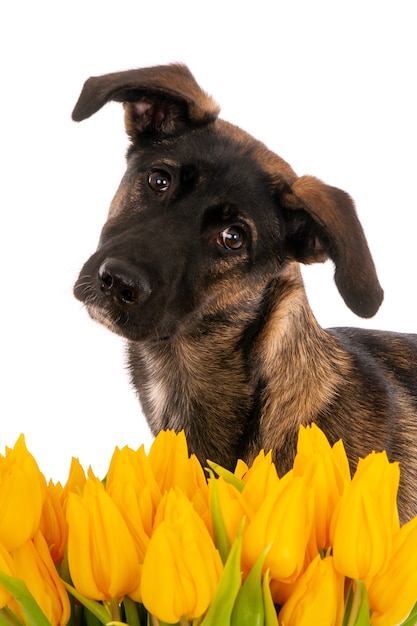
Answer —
(159, 180)
(232, 238)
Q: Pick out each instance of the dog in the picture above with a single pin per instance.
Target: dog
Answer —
(198, 268)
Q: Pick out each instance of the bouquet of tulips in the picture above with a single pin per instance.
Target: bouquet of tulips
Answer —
(161, 541)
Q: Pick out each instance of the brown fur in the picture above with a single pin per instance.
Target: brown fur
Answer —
(198, 268)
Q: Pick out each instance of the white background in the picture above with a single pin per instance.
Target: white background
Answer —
(330, 86)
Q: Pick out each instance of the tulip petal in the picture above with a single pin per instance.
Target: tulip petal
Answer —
(412, 618)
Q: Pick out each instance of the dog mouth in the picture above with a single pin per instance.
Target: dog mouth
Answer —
(122, 323)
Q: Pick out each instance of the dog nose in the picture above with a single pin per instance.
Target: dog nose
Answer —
(125, 284)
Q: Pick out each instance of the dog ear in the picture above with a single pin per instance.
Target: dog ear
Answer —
(321, 223)
(163, 99)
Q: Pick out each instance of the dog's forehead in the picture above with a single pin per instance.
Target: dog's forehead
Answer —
(218, 148)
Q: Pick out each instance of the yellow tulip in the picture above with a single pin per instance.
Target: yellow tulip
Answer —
(260, 480)
(316, 598)
(53, 524)
(33, 564)
(101, 551)
(232, 505)
(366, 518)
(172, 467)
(393, 593)
(326, 471)
(22, 495)
(131, 484)
(283, 522)
(182, 567)
(312, 441)
(75, 482)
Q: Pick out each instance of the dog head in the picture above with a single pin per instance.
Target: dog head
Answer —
(204, 210)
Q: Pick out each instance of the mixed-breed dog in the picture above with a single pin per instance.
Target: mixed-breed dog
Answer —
(197, 267)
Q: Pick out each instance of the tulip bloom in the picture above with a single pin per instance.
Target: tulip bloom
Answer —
(260, 480)
(326, 471)
(366, 518)
(172, 467)
(283, 522)
(393, 593)
(131, 484)
(33, 564)
(317, 597)
(182, 567)
(53, 523)
(101, 551)
(22, 495)
(75, 482)
(232, 506)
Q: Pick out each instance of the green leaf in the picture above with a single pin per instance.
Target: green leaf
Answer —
(412, 617)
(249, 609)
(271, 618)
(228, 476)
(96, 608)
(90, 619)
(33, 614)
(221, 539)
(220, 610)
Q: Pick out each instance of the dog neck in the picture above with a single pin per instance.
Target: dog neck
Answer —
(301, 367)
(222, 387)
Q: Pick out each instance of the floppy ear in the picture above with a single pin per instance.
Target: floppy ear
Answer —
(321, 223)
(163, 99)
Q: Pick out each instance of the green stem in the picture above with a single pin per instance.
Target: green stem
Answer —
(116, 615)
(356, 603)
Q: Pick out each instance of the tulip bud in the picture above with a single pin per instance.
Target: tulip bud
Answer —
(182, 561)
(53, 523)
(283, 522)
(33, 564)
(366, 518)
(75, 481)
(172, 466)
(101, 552)
(316, 598)
(326, 471)
(22, 495)
(260, 480)
(131, 485)
(393, 593)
